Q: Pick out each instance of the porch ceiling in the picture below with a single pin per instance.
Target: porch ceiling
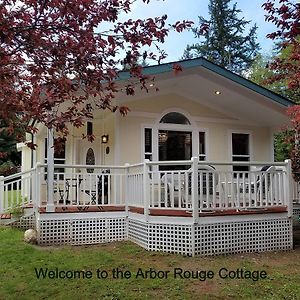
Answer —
(199, 84)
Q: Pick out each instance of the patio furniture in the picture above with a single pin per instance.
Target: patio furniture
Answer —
(63, 191)
(172, 183)
(207, 182)
(260, 186)
(99, 189)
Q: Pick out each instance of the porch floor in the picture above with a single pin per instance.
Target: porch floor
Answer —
(166, 211)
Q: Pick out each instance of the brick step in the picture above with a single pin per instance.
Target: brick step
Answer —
(5, 216)
(29, 205)
(8, 216)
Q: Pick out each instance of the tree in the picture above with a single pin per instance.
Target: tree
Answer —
(262, 73)
(286, 16)
(9, 156)
(57, 65)
(224, 41)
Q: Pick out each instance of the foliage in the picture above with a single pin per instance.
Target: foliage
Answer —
(286, 16)
(140, 61)
(9, 156)
(224, 40)
(294, 114)
(16, 212)
(282, 145)
(8, 168)
(59, 62)
(261, 73)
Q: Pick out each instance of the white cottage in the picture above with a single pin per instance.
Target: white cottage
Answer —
(189, 170)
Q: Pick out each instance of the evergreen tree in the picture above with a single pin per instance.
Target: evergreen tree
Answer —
(9, 156)
(224, 41)
(261, 73)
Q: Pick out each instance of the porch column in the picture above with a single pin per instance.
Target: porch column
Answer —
(1, 194)
(126, 187)
(36, 197)
(195, 195)
(288, 187)
(146, 189)
(50, 171)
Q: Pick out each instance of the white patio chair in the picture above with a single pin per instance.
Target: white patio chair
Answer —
(97, 187)
(207, 183)
(259, 188)
(173, 184)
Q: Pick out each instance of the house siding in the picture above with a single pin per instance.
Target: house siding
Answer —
(218, 131)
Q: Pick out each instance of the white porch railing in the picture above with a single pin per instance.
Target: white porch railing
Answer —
(84, 185)
(214, 187)
(191, 186)
(19, 190)
(135, 181)
(295, 192)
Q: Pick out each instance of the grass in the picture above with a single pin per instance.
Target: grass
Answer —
(18, 279)
(14, 197)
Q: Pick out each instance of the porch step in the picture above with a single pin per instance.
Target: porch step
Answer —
(7, 219)
(5, 216)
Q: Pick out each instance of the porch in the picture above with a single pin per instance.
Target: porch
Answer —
(190, 207)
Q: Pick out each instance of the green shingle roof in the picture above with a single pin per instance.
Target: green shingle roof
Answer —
(202, 62)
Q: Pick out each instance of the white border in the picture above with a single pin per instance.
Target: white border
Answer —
(249, 132)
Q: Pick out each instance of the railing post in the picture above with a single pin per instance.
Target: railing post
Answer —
(146, 189)
(1, 194)
(195, 196)
(50, 171)
(288, 187)
(126, 187)
(37, 194)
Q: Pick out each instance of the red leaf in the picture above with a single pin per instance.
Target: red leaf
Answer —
(177, 68)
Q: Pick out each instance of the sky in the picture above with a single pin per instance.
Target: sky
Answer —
(190, 10)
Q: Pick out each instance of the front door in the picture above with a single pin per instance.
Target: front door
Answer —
(174, 145)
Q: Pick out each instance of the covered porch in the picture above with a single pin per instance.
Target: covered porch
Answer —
(193, 186)
(197, 208)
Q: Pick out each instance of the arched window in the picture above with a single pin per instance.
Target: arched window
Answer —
(175, 118)
(90, 159)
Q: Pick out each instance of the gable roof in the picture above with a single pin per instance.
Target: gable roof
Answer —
(202, 62)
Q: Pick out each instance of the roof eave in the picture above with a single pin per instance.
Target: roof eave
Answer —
(202, 62)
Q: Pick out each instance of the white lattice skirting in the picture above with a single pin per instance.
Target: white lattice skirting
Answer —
(25, 222)
(212, 236)
(80, 229)
(296, 210)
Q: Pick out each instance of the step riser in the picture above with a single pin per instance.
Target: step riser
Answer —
(25, 222)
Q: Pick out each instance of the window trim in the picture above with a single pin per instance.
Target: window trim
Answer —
(148, 153)
(89, 127)
(188, 122)
(205, 145)
(62, 161)
(143, 153)
(240, 131)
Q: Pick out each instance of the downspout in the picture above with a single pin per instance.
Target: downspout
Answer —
(32, 140)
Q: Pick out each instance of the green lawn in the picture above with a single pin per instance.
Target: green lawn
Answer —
(18, 279)
(14, 198)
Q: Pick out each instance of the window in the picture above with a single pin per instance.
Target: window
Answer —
(175, 118)
(148, 143)
(240, 150)
(59, 158)
(89, 128)
(90, 159)
(202, 148)
(174, 145)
